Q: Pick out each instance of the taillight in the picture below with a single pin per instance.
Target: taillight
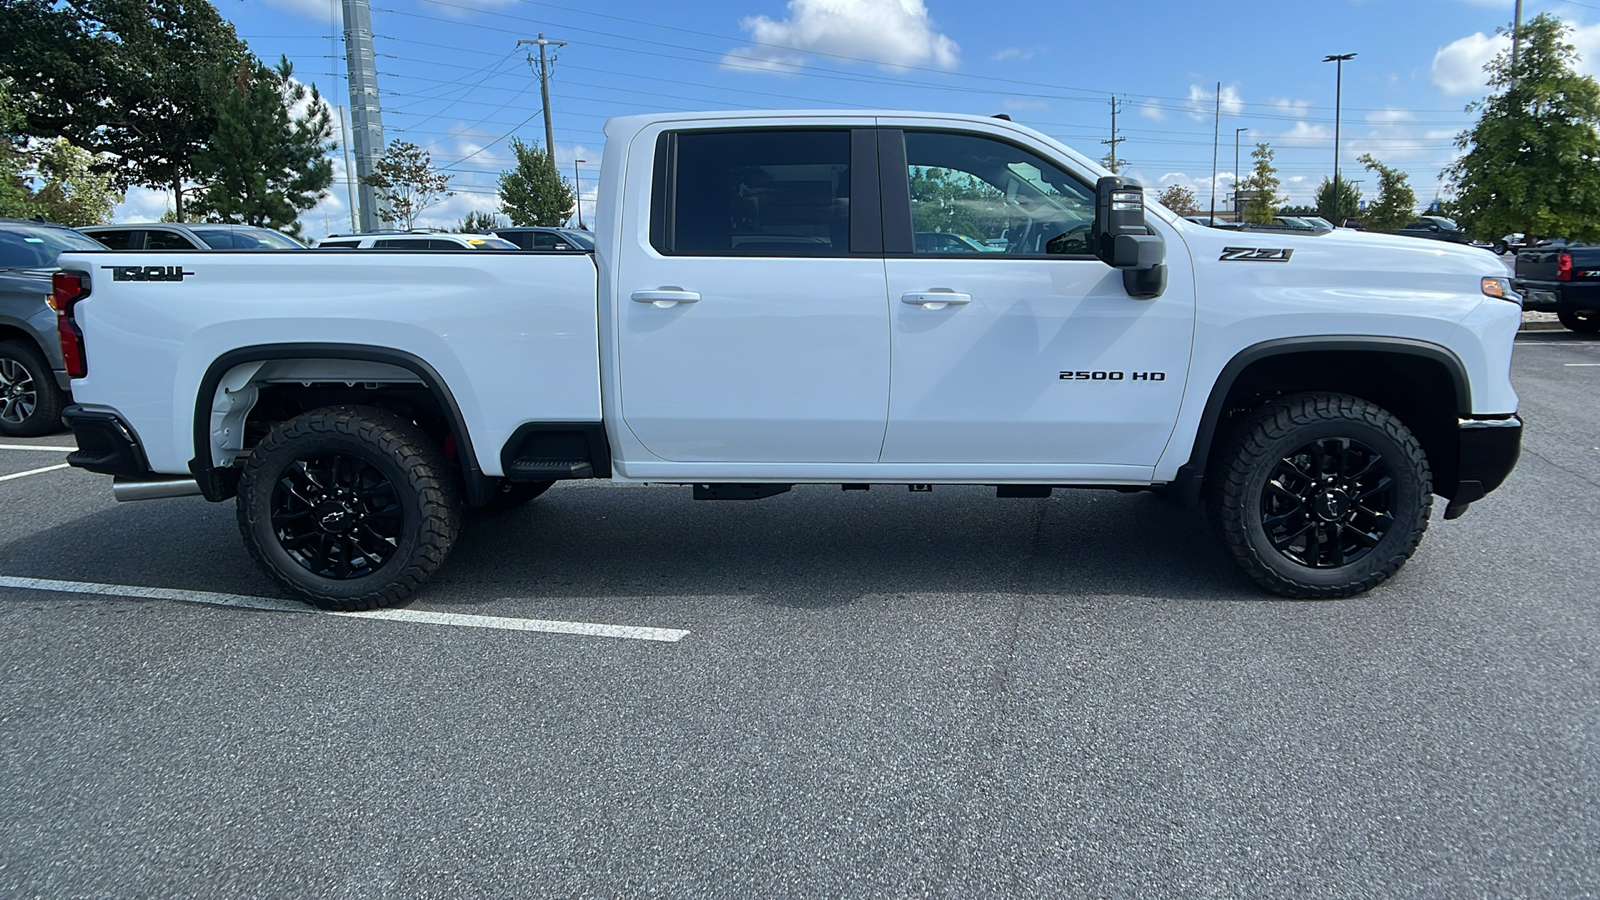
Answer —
(66, 289)
(1564, 267)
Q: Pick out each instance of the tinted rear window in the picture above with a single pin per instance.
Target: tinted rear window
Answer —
(24, 246)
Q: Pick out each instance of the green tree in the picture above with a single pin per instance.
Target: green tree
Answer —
(16, 199)
(1116, 164)
(954, 202)
(265, 165)
(1263, 183)
(1179, 199)
(480, 222)
(533, 192)
(1340, 205)
(73, 193)
(1397, 202)
(135, 82)
(1301, 210)
(1532, 161)
(406, 180)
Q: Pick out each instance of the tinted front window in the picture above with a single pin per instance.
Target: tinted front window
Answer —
(337, 245)
(972, 195)
(245, 239)
(583, 241)
(760, 193)
(116, 240)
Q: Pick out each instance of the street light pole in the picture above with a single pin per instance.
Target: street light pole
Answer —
(577, 191)
(1338, 105)
(1236, 133)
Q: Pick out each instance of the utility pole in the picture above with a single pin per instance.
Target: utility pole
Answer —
(544, 90)
(1516, 38)
(1114, 139)
(577, 191)
(1216, 135)
(1338, 105)
(366, 114)
(1236, 133)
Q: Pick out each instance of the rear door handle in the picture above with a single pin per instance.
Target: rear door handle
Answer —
(666, 297)
(938, 298)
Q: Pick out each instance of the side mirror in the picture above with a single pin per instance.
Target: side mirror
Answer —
(1122, 240)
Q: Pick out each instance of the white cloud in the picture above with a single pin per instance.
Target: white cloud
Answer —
(888, 32)
(1290, 106)
(1458, 67)
(1306, 134)
(1153, 112)
(142, 205)
(1203, 102)
(1021, 54)
(1390, 116)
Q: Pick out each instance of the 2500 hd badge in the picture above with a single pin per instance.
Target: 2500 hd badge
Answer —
(1113, 376)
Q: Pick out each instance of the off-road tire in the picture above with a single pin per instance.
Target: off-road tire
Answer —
(1585, 321)
(1242, 466)
(513, 494)
(22, 360)
(422, 484)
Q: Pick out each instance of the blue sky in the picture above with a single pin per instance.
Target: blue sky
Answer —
(454, 81)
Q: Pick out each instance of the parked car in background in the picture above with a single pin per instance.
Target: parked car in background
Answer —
(551, 240)
(1436, 228)
(402, 240)
(1564, 278)
(1513, 243)
(946, 242)
(1352, 224)
(34, 386)
(186, 236)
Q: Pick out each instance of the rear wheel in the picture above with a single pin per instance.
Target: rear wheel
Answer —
(30, 401)
(1586, 321)
(1321, 496)
(348, 508)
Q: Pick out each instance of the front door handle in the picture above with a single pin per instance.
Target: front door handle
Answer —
(666, 297)
(938, 298)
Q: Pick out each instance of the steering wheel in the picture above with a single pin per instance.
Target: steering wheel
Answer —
(1073, 242)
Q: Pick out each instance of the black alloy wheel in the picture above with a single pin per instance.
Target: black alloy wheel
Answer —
(337, 515)
(1320, 495)
(349, 507)
(1327, 504)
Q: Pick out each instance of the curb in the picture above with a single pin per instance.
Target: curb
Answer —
(1542, 326)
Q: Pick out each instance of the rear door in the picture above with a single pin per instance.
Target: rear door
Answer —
(753, 324)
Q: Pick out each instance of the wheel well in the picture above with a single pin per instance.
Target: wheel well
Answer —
(249, 392)
(1421, 390)
(12, 333)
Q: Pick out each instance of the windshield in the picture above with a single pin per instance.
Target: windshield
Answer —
(491, 243)
(26, 246)
(246, 239)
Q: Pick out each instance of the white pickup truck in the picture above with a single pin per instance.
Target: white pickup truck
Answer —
(810, 297)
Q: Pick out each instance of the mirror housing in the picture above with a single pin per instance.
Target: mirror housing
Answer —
(1122, 240)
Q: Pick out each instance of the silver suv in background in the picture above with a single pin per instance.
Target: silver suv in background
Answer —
(195, 236)
(34, 385)
(546, 240)
(402, 240)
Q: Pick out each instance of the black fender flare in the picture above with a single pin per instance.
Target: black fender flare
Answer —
(1192, 473)
(220, 483)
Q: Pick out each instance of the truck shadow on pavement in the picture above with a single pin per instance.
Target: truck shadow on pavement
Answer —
(816, 547)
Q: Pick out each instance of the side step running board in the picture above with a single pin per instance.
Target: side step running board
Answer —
(549, 469)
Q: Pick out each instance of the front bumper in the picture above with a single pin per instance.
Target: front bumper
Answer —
(1554, 296)
(1489, 451)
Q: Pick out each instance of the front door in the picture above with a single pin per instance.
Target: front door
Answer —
(1011, 344)
(754, 327)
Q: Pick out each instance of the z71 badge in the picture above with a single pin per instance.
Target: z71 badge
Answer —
(1255, 254)
(147, 273)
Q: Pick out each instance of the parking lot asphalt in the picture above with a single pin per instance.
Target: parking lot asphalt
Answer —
(879, 694)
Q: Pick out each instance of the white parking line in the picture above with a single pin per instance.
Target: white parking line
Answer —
(1581, 365)
(33, 472)
(37, 447)
(415, 616)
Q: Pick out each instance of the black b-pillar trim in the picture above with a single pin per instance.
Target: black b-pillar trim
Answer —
(895, 189)
(218, 483)
(866, 228)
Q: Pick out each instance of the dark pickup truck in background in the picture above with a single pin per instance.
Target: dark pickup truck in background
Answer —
(1563, 278)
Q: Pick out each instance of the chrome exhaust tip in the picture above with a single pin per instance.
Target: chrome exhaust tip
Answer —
(128, 489)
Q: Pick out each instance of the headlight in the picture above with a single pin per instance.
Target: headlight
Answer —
(1500, 289)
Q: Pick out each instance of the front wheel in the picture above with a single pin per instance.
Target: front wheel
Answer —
(348, 508)
(1321, 496)
(1585, 321)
